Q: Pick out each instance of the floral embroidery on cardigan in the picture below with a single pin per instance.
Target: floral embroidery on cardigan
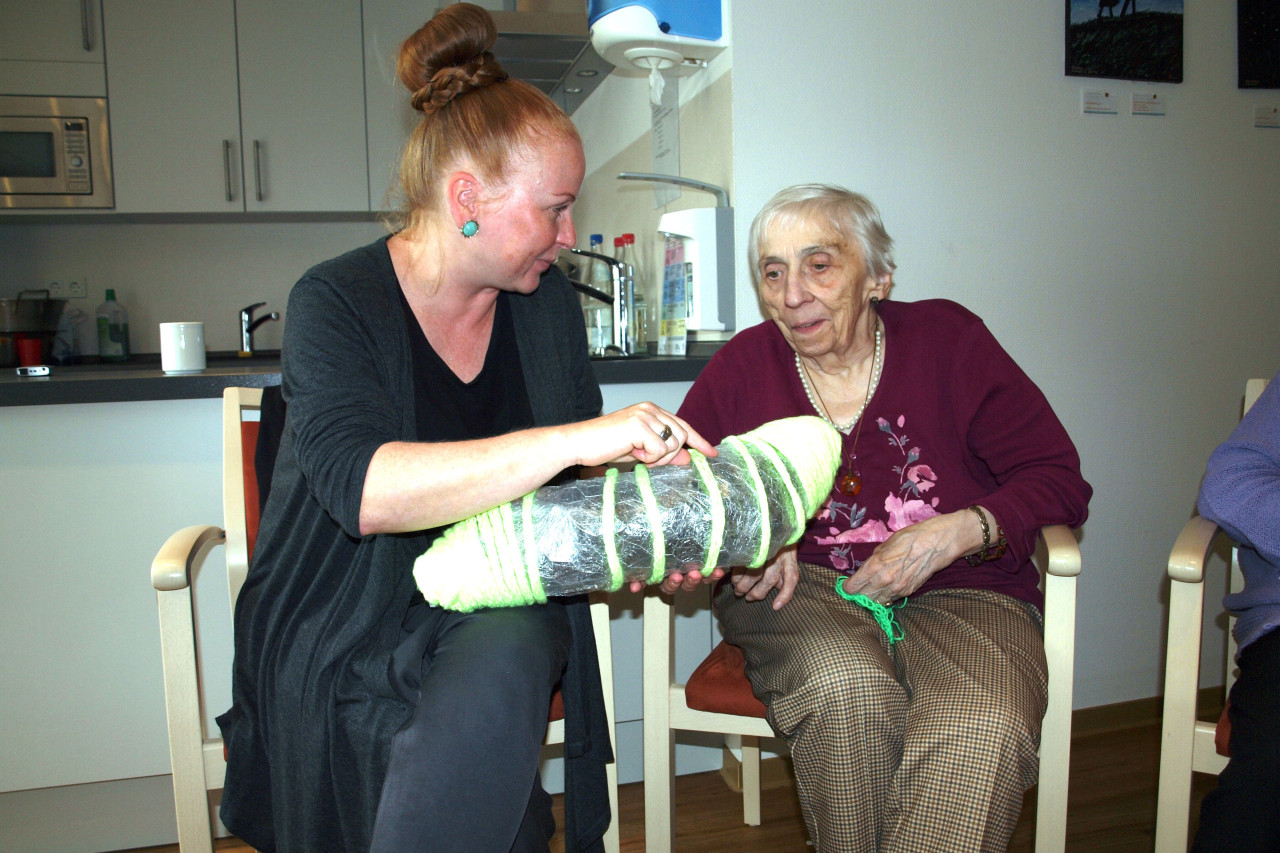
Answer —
(848, 523)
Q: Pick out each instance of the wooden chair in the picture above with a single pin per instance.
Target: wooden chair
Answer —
(199, 762)
(1187, 743)
(717, 698)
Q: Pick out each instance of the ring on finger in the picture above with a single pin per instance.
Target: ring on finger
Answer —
(666, 432)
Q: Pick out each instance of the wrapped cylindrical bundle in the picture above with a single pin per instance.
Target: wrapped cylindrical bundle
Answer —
(738, 508)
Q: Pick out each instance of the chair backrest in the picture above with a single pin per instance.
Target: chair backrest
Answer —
(1189, 744)
(239, 482)
(1252, 391)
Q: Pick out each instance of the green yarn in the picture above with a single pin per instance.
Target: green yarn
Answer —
(762, 553)
(716, 538)
(530, 540)
(738, 509)
(814, 456)
(608, 523)
(797, 506)
(645, 488)
(883, 613)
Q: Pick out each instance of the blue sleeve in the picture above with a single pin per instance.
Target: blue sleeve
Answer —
(1241, 489)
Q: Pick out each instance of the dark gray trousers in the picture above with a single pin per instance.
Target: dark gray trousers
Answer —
(463, 773)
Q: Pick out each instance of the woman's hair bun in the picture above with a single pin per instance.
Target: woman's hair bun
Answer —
(449, 56)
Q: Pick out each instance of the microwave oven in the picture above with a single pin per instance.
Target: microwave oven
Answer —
(54, 153)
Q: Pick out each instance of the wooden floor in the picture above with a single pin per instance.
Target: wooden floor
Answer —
(1111, 809)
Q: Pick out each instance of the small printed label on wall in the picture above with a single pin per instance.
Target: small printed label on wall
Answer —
(1147, 104)
(1266, 116)
(1098, 102)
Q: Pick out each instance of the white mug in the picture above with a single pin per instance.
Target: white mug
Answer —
(182, 347)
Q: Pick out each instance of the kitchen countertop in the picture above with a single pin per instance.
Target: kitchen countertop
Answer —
(142, 379)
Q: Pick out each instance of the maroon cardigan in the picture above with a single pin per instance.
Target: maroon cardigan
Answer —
(953, 422)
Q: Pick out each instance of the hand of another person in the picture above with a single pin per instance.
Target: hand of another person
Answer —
(642, 432)
(782, 572)
(688, 580)
(903, 562)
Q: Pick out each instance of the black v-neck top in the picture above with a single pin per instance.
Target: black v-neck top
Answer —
(494, 403)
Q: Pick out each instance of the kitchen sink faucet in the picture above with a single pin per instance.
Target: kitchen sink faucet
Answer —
(248, 324)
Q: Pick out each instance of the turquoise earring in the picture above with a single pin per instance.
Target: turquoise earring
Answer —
(469, 228)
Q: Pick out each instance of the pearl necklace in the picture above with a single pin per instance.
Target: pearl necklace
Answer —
(873, 381)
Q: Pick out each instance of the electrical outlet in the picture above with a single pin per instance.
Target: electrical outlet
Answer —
(72, 288)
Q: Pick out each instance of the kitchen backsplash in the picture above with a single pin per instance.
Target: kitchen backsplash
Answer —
(164, 273)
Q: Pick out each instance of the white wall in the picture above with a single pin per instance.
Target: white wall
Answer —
(1130, 265)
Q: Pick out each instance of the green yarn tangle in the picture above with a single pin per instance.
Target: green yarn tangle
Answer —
(735, 509)
(883, 614)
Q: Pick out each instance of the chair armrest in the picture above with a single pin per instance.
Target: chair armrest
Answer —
(1062, 549)
(181, 553)
(1186, 560)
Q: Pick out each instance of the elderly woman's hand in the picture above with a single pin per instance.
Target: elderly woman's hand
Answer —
(782, 572)
(903, 562)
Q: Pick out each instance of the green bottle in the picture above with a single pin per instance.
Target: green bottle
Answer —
(113, 329)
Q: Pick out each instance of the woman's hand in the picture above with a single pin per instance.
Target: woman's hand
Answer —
(643, 432)
(688, 580)
(782, 572)
(903, 562)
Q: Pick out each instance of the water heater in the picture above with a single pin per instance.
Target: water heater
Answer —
(673, 36)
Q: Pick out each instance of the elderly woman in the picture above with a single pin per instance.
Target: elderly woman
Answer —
(429, 376)
(923, 736)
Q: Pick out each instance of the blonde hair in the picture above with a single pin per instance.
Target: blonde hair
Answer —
(472, 112)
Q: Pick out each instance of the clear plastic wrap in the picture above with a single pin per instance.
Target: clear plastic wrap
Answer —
(738, 508)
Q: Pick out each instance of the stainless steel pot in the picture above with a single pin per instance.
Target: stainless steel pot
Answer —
(33, 314)
(32, 311)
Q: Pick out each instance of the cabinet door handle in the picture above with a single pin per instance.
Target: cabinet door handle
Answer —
(86, 26)
(226, 168)
(257, 166)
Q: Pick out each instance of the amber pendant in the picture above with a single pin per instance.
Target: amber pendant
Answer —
(849, 484)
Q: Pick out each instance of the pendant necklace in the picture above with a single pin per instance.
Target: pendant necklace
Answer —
(850, 483)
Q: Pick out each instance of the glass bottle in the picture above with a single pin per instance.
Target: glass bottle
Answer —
(113, 329)
(598, 315)
(599, 275)
(639, 283)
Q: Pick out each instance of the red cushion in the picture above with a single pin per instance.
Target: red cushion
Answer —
(249, 441)
(557, 707)
(1222, 734)
(719, 684)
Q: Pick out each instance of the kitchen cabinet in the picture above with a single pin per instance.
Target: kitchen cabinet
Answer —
(387, 23)
(51, 47)
(236, 105)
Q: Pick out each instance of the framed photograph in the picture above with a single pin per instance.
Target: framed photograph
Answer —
(1258, 42)
(1126, 39)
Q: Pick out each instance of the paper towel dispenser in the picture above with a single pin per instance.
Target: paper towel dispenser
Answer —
(708, 255)
(672, 36)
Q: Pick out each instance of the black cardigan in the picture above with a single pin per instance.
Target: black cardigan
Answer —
(313, 713)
